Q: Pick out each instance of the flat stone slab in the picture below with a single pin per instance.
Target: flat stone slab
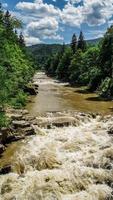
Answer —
(56, 121)
(20, 124)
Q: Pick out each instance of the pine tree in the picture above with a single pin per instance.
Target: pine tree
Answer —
(8, 23)
(74, 43)
(1, 14)
(81, 42)
(21, 40)
(63, 48)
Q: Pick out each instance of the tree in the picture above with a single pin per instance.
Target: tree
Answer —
(8, 24)
(1, 15)
(75, 68)
(106, 54)
(62, 71)
(21, 40)
(81, 42)
(74, 43)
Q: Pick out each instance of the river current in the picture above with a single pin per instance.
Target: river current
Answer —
(73, 162)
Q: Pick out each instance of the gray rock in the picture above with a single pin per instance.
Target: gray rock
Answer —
(20, 124)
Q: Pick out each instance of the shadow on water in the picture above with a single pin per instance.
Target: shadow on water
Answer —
(84, 91)
(97, 99)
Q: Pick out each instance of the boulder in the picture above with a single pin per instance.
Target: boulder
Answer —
(20, 124)
(5, 169)
(31, 89)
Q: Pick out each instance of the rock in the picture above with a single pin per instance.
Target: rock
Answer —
(0, 137)
(20, 124)
(56, 121)
(35, 84)
(110, 130)
(14, 138)
(2, 148)
(29, 131)
(4, 134)
(5, 169)
(15, 116)
(31, 89)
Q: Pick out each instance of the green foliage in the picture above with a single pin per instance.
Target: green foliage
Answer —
(81, 42)
(84, 64)
(75, 68)
(62, 71)
(74, 43)
(19, 100)
(106, 88)
(95, 77)
(4, 121)
(106, 54)
(15, 67)
(41, 53)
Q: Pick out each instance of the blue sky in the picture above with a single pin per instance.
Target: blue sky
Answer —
(54, 21)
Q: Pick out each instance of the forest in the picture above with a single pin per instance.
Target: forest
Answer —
(83, 64)
(15, 67)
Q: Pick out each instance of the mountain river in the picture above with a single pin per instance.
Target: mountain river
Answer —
(72, 161)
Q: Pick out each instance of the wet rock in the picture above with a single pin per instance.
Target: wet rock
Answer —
(56, 121)
(29, 131)
(20, 124)
(35, 84)
(110, 130)
(31, 89)
(15, 116)
(2, 148)
(4, 134)
(14, 138)
(5, 169)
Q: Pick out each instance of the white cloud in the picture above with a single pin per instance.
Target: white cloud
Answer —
(43, 28)
(32, 40)
(4, 5)
(44, 21)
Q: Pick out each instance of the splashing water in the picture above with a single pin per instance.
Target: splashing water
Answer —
(63, 163)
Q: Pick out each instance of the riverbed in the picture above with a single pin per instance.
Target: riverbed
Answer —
(63, 161)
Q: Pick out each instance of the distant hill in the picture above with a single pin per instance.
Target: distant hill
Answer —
(94, 41)
(40, 52)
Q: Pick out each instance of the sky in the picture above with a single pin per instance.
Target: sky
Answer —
(55, 21)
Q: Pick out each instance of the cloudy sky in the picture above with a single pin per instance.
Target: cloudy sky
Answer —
(54, 21)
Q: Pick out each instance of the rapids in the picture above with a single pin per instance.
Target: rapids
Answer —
(73, 162)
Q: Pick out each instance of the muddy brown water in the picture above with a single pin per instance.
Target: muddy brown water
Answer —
(54, 96)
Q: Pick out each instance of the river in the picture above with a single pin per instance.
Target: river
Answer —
(54, 96)
(73, 162)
